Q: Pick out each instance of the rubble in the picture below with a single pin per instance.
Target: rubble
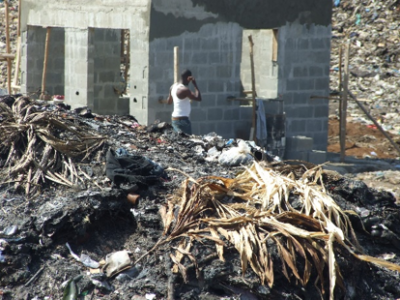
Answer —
(82, 235)
(129, 234)
(374, 63)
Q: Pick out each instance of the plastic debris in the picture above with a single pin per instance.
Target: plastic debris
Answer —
(236, 156)
(150, 296)
(84, 259)
(117, 262)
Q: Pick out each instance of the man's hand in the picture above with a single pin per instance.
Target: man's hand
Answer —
(193, 80)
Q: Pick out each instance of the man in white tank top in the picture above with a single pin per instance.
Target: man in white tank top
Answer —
(180, 95)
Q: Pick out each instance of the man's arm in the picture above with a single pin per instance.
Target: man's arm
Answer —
(169, 99)
(187, 93)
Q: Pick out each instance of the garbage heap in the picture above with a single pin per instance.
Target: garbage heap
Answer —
(102, 207)
(372, 27)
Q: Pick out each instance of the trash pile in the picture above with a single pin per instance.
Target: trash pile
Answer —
(101, 207)
(374, 63)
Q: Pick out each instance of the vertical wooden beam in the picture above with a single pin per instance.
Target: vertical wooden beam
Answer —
(275, 45)
(45, 60)
(343, 122)
(253, 91)
(342, 146)
(14, 85)
(176, 64)
(8, 50)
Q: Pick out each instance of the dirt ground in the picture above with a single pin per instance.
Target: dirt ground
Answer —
(362, 140)
(365, 141)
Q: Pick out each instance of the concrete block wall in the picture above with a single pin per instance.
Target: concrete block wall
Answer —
(213, 54)
(304, 57)
(106, 57)
(32, 59)
(82, 17)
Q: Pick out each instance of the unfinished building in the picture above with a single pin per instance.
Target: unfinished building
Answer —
(93, 43)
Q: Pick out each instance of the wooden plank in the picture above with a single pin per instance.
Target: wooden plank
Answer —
(8, 50)
(17, 64)
(343, 122)
(5, 56)
(45, 60)
(176, 64)
(275, 45)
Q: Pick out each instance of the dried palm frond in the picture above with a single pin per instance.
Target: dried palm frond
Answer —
(38, 146)
(254, 212)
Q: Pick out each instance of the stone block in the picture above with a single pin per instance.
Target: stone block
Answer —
(296, 155)
(215, 114)
(315, 71)
(209, 44)
(198, 115)
(303, 44)
(317, 157)
(299, 143)
(320, 140)
(208, 127)
(123, 106)
(225, 129)
(231, 114)
(224, 72)
(164, 116)
(321, 111)
(300, 71)
(296, 126)
(199, 58)
(292, 84)
(317, 43)
(306, 84)
(215, 86)
(214, 57)
(313, 125)
(321, 83)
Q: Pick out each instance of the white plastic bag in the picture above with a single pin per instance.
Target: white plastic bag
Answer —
(236, 156)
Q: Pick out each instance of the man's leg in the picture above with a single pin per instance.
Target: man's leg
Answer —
(182, 126)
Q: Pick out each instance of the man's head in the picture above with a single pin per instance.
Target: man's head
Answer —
(185, 77)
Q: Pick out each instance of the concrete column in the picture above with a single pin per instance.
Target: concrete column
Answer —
(77, 85)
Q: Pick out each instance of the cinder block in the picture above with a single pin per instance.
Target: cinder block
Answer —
(215, 114)
(225, 129)
(300, 71)
(317, 43)
(299, 143)
(303, 44)
(317, 157)
(321, 83)
(297, 155)
(231, 114)
(316, 71)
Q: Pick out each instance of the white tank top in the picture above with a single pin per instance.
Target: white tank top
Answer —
(181, 106)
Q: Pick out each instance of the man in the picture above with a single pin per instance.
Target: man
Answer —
(180, 95)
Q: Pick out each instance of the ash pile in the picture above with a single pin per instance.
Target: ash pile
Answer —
(101, 207)
(372, 28)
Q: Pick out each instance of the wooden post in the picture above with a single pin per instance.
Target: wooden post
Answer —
(343, 122)
(176, 64)
(342, 146)
(46, 55)
(253, 91)
(15, 86)
(8, 47)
